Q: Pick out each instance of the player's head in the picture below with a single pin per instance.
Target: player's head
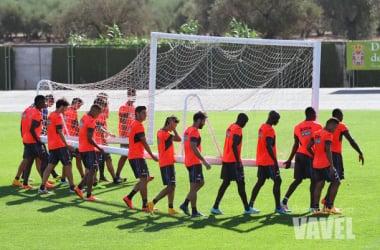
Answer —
(49, 100)
(171, 122)
(310, 114)
(95, 110)
(140, 113)
(61, 105)
(273, 117)
(338, 114)
(76, 103)
(102, 95)
(101, 102)
(332, 124)
(131, 95)
(242, 119)
(199, 119)
(40, 102)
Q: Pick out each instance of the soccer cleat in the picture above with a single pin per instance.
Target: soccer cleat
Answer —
(185, 209)
(63, 182)
(17, 183)
(72, 191)
(147, 209)
(28, 186)
(198, 215)
(280, 210)
(323, 201)
(151, 207)
(78, 192)
(45, 191)
(311, 210)
(91, 198)
(48, 185)
(317, 211)
(216, 211)
(51, 181)
(332, 210)
(252, 210)
(128, 202)
(117, 180)
(173, 211)
(285, 207)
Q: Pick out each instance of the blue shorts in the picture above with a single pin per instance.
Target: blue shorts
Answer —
(139, 167)
(323, 174)
(267, 172)
(90, 159)
(168, 175)
(34, 150)
(59, 154)
(232, 171)
(338, 164)
(195, 173)
(303, 167)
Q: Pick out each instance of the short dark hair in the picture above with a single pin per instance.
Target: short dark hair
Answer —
(76, 100)
(61, 102)
(337, 112)
(95, 106)
(332, 120)
(49, 97)
(309, 111)
(171, 118)
(139, 109)
(101, 102)
(199, 115)
(242, 118)
(38, 99)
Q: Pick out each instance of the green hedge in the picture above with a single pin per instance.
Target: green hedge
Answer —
(7, 68)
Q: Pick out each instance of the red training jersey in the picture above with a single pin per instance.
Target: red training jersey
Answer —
(191, 135)
(262, 156)
(304, 131)
(236, 131)
(35, 115)
(321, 138)
(124, 124)
(336, 146)
(54, 123)
(165, 148)
(25, 116)
(101, 121)
(136, 148)
(71, 120)
(86, 122)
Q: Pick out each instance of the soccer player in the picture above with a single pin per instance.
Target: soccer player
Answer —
(303, 167)
(101, 132)
(336, 148)
(71, 119)
(126, 117)
(136, 159)
(166, 159)
(232, 168)
(266, 160)
(33, 147)
(323, 166)
(87, 147)
(193, 163)
(58, 147)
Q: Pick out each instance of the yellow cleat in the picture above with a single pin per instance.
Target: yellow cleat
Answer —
(332, 210)
(151, 207)
(16, 183)
(173, 211)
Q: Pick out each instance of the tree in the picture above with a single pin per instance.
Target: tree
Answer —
(353, 19)
(11, 21)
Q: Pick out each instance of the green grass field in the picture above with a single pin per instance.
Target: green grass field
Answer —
(63, 221)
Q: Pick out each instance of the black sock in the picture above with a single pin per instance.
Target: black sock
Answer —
(194, 210)
(88, 195)
(131, 194)
(285, 200)
(42, 187)
(216, 205)
(72, 187)
(251, 203)
(17, 178)
(170, 205)
(186, 202)
(63, 179)
(80, 186)
(144, 201)
(155, 201)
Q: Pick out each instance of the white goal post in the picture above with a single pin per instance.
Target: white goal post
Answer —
(156, 36)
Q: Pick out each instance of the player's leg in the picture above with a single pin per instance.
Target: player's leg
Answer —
(299, 168)
(319, 183)
(111, 170)
(78, 162)
(277, 194)
(101, 168)
(261, 178)
(20, 170)
(227, 173)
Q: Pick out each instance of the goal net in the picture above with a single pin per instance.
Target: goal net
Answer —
(221, 75)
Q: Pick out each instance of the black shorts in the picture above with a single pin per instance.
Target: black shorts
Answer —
(323, 174)
(232, 171)
(90, 159)
(59, 154)
(168, 175)
(303, 167)
(74, 153)
(338, 164)
(34, 150)
(267, 172)
(195, 173)
(139, 167)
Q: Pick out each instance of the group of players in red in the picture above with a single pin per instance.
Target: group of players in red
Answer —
(317, 154)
